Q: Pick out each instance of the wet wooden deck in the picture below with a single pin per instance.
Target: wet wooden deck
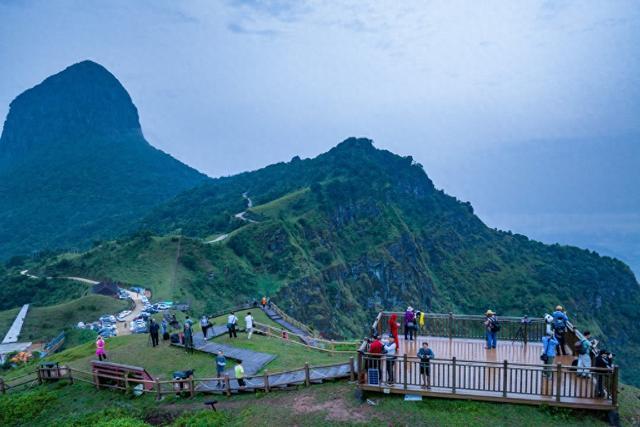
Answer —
(512, 372)
(473, 350)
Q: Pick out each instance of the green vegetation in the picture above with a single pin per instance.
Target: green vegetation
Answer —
(320, 405)
(75, 167)
(43, 323)
(6, 319)
(354, 231)
(18, 290)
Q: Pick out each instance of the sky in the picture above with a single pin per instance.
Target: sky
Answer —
(528, 109)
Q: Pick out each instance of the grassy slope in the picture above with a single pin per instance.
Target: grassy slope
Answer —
(6, 319)
(327, 404)
(43, 323)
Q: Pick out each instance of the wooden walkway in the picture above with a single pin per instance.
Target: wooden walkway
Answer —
(274, 316)
(280, 380)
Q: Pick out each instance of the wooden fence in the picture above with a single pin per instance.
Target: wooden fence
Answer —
(321, 344)
(266, 381)
(497, 381)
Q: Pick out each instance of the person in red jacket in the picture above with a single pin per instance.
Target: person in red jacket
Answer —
(393, 328)
(375, 355)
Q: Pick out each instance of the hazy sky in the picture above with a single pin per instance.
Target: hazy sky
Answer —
(235, 85)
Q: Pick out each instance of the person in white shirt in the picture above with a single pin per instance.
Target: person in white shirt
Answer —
(390, 349)
(248, 325)
(232, 323)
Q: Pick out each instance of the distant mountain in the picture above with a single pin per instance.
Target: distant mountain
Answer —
(74, 164)
(336, 238)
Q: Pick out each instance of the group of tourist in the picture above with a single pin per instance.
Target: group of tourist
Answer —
(386, 348)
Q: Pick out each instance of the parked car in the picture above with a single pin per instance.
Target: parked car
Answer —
(110, 318)
(123, 315)
(162, 306)
(144, 299)
(138, 327)
(108, 332)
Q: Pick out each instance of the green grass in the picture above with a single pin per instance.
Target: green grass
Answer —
(44, 323)
(288, 355)
(333, 403)
(6, 319)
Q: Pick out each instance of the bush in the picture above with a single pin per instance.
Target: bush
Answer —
(19, 408)
(201, 419)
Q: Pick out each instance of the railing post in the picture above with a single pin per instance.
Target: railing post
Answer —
(70, 375)
(505, 376)
(158, 389)
(126, 383)
(39, 373)
(360, 368)
(558, 381)
(352, 369)
(227, 385)
(307, 375)
(453, 376)
(266, 381)
(614, 386)
(526, 333)
(450, 325)
(405, 360)
(96, 380)
(380, 324)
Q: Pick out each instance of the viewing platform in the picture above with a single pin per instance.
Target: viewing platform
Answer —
(464, 369)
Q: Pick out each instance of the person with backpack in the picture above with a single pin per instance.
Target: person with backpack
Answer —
(425, 354)
(390, 349)
(549, 346)
(492, 327)
(232, 322)
(560, 321)
(409, 323)
(584, 355)
(221, 362)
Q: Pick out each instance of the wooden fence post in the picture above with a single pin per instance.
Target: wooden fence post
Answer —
(266, 381)
(453, 376)
(505, 376)
(2, 387)
(380, 324)
(405, 361)
(192, 386)
(39, 373)
(227, 385)
(450, 325)
(352, 369)
(614, 386)
(69, 373)
(558, 381)
(360, 368)
(96, 380)
(307, 376)
(526, 333)
(158, 389)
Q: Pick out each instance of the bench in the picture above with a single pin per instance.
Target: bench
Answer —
(108, 373)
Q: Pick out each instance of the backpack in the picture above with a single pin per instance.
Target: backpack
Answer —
(559, 325)
(585, 345)
(494, 325)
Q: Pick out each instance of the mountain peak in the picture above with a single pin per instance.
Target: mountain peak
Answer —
(354, 143)
(83, 99)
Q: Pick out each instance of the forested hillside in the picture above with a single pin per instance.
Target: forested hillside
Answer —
(74, 164)
(357, 230)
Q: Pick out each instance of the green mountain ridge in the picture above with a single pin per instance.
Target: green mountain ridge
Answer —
(74, 164)
(354, 231)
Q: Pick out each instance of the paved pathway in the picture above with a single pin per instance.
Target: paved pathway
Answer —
(274, 316)
(16, 327)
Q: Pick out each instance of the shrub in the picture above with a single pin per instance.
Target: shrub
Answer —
(19, 408)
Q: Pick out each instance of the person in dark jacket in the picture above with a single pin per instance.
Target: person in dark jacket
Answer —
(604, 360)
(188, 337)
(409, 324)
(559, 325)
(154, 331)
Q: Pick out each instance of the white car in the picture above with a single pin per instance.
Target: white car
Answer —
(123, 315)
(144, 299)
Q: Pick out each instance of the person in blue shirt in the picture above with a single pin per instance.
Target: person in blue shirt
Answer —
(221, 362)
(549, 344)
(425, 354)
(559, 325)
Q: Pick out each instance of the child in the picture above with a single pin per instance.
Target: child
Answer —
(102, 355)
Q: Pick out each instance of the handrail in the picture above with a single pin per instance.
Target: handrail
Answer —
(292, 320)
